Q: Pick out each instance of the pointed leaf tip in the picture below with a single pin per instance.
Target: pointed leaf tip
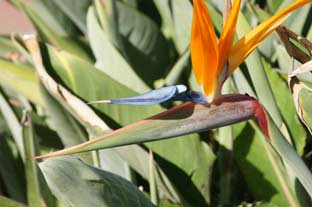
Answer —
(181, 120)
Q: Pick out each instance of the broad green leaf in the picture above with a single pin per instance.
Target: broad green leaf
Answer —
(138, 159)
(10, 203)
(309, 34)
(283, 59)
(66, 126)
(76, 11)
(21, 79)
(287, 108)
(71, 133)
(107, 14)
(93, 124)
(110, 160)
(262, 167)
(258, 76)
(291, 158)
(109, 59)
(183, 64)
(62, 122)
(13, 123)
(260, 13)
(274, 5)
(73, 71)
(194, 162)
(177, 20)
(296, 22)
(147, 50)
(241, 82)
(100, 188)
(31, 169)
(47, 33)
(74, 105)
(11, 173)
(6, 46)
(57, 20)
(266, 47)
(133, 3)
(305, 98)
(177, 17)
(225, 172)
(262, 87)
(152, 181)
(257, 204)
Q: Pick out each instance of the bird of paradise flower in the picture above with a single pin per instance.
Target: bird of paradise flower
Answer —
(213, 59)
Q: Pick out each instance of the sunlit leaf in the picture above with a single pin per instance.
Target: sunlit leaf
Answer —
(99, 187)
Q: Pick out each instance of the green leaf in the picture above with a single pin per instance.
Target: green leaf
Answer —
(66, 126)
(258, 76)
(58, 21)
(296, 22)
(144, 44)
(133, 3)
(61, 118)
(177, 21)
(262, 167)
(100, 188)
(11, 173)
(31, 169)
(21, 79)
(74, 105)
(262, 86)
(138, 159)
(291, 158)
(305, 98)
(76, 11)
(73, 71)
(152, 181)
(62, 122)
(109, 59)
(287, 108)
(10, 203)
(13, 123)
(242, 84)
(193, 162)
(183, 64)
(274, 5)
(225, 172)
(47, 33)
(6, 46)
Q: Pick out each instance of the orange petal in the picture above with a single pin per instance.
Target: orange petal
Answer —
(251, 40)
(204, 50)
(227, 35)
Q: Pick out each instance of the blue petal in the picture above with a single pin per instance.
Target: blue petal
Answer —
(193, 96)
(152, 97)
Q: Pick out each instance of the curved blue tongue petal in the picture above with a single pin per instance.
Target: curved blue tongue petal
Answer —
(152, 97)
(193, 96)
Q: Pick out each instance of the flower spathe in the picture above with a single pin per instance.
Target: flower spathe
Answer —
(214, 60)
